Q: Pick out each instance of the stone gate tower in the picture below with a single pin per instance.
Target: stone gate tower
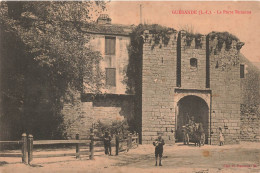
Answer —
(192, 76)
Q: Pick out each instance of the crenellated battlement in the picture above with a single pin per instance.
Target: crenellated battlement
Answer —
(192, 41)
(219, 41)
(223, 41)
(224, 50)
(160, 39)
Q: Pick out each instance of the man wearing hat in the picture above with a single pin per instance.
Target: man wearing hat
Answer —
(107, 143)
(158, 143)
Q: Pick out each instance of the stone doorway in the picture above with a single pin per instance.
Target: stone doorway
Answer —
(188, 107)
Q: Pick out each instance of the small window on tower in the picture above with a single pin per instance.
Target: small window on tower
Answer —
(193, 62)
(242, 70)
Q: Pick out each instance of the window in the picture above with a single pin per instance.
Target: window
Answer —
(111, 76)
(242, 70)
(110, 45)
(193, 62)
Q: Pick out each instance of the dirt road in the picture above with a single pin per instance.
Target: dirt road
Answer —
(177, 158)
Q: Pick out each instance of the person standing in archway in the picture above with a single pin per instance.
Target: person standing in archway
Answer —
(191, 124)
(202, 134)
(191, 121)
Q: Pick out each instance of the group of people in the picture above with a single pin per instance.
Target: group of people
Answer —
(193, 131)
(196, 132)
(107, 143)
(158, 143)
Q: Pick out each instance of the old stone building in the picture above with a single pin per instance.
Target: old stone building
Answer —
(200, 76)
(114, 101)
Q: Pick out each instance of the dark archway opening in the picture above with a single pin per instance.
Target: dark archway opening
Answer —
(192, 106)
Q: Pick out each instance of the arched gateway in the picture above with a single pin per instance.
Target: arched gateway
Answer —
(192, 107)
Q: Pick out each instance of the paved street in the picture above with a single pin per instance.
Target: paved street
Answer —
(177, 158)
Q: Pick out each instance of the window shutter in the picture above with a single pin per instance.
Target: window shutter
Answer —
(107, 46)
(111, 76)
(110, 45)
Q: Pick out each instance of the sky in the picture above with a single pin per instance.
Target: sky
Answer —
(245, 26)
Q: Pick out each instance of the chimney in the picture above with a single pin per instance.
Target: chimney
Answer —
(104, 19)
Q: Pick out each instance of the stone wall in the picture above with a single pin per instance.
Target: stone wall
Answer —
(250, 102)
(158, 82)
(225, 86)
(80, 116)
(250, 123)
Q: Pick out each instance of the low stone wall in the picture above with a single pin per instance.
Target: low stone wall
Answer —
(80, 117)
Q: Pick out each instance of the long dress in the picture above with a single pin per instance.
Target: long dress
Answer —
(221, 137)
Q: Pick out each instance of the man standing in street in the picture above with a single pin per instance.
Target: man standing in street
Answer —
(107, 143)
(158, 143)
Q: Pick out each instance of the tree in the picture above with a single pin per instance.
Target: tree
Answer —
(53, 60)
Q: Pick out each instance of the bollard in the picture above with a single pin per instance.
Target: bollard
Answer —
(91, 145)
(137, 139)
(130, 139)
(77, 147)
(24, 148)
(117, 144)
(30, 148)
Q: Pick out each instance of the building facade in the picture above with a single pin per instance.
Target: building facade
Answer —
(113, 102)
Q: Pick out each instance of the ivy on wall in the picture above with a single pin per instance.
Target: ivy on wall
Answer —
(225, 62)
(223, 37)
(191, 36)
(160, 34)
